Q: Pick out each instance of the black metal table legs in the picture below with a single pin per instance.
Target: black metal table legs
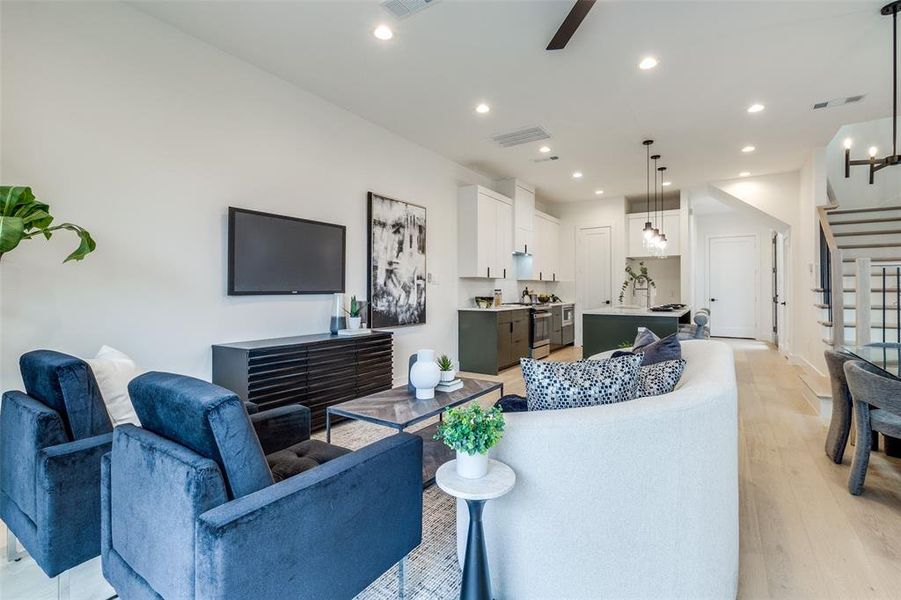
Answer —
(476, 579)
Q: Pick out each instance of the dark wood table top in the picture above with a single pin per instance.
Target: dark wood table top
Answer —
(400, 409)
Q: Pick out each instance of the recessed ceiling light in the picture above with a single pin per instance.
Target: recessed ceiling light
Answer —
(483, 108)
(667, 183)
(744, 174)
(578, 174)
(544, 149)
(756, 108)
(383, 32)
(648, 62)
(598, 192)
(747, 149)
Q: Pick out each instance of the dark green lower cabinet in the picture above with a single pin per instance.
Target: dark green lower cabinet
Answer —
(609, 332)
(490, 341)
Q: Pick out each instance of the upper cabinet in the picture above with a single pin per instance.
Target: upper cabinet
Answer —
(485, 233)
(544, 262)
(523, 196)
(671, 227)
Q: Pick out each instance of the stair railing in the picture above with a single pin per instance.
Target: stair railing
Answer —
(886, 271)
(831, 276)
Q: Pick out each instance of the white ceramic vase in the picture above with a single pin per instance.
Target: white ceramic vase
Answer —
(354, 322)
(425, 374)
(472, 466)
(448, 375)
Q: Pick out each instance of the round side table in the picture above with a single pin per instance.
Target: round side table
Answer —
(498, 481)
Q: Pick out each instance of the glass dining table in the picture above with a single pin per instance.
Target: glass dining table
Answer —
(887, 358)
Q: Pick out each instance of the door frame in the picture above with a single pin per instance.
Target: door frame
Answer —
(756, 280)
(580, 286)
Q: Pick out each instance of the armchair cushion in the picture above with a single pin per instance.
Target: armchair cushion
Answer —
(281, 427)
(209, 420)
(301, 457)
(67, 385)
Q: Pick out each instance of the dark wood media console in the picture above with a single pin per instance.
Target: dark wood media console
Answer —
(314, 370)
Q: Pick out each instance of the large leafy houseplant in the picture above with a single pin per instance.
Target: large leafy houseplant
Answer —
(23, 217)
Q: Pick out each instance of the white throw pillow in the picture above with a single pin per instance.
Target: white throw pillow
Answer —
(113, 370)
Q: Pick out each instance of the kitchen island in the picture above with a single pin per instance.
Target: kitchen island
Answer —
(614, 327)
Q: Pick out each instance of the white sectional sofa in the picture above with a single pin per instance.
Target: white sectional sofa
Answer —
(630, 500)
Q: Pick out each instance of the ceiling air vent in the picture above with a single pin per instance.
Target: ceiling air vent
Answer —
(838, 102)
(541, 160)
(404, 8)
(521, 136)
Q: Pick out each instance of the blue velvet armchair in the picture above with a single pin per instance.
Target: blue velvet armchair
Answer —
(52, 438)
(193, 507)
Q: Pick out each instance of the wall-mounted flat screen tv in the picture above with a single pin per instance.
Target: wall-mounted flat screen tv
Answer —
(275, 254)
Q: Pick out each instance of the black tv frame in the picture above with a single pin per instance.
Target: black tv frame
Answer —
(232, 211)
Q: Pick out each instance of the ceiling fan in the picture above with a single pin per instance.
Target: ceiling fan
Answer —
(570, 24)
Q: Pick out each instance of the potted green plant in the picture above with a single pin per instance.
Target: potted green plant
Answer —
(353, 315)
(471, 431)
(447, 368)
(640, 280)
(22, 217)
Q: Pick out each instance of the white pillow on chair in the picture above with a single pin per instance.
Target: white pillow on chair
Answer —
(113, 370)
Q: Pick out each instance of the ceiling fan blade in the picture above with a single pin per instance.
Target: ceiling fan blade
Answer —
(570, 24)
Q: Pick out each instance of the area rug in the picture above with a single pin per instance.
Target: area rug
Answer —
(431, 570)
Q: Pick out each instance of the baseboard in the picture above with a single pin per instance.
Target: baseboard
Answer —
(797, 359)
(816, 389)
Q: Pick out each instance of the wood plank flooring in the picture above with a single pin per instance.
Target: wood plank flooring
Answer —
(803, 536)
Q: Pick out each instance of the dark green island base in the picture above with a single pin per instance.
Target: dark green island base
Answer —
(609, 331)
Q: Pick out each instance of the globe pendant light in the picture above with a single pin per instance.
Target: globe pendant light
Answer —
(648, 228)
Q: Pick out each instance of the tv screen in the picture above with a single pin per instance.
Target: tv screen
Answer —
(274, 254)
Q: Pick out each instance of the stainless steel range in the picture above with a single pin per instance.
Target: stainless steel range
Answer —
(540, 332)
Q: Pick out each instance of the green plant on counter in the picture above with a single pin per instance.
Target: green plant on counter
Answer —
(444, 363)
(355, 308)
(471, 430)
(22, 217)
(634, 278)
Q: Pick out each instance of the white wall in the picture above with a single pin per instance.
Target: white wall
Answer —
(145, 136)
(775, 194)
(666, 273)
(856, 191)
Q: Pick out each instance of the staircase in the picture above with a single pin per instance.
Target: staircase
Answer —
(860, 297)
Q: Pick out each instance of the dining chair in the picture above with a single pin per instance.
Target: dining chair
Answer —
(877, 407)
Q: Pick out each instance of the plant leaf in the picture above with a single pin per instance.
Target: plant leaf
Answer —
(85, 247)
(12, 229)
(13, 198)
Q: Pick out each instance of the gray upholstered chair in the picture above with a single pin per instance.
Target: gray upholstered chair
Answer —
(877, 407)
(840, 424)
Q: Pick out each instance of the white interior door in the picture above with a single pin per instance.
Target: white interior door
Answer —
(732, 285)
(594, 267)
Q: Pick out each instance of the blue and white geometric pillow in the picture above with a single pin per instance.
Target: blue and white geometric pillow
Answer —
(554, 385)
(659, 378)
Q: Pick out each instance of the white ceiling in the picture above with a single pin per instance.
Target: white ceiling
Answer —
(716, 58)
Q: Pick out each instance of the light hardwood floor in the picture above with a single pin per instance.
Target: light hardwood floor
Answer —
(803, 536)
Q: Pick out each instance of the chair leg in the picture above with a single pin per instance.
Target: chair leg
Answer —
(62, 586)
(401, 577)
(12, 547)
(862, 449)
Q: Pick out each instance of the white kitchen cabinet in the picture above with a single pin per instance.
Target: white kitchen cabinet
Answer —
(635, 231)
(523, 196)
(484, 233)
(545, 251)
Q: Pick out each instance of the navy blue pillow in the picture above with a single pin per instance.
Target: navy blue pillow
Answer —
(662, 350)
(512, 403)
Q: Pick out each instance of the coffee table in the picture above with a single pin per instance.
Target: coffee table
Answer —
(399, 409)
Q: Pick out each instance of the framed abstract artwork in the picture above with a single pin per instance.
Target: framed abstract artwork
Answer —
(397, 269)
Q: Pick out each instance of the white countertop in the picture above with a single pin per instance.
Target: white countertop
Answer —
(504, 307)
(619, 311)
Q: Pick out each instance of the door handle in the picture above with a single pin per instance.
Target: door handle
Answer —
(713, 299)
(606, 301)
(782, 303)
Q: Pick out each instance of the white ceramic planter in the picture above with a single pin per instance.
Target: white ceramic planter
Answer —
(448, 375)
(425, 374)
(472, 466)
(354, 322)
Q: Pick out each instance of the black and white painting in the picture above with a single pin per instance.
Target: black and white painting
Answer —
(397, 275)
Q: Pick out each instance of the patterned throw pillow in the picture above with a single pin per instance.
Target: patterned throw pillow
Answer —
(657, 350)
(659, 378)
(554, 385)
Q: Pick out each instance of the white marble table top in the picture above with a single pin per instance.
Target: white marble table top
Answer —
(498, 481)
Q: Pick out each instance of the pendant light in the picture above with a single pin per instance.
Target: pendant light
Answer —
(662, 240)
(648, 228)
(655, 237)
(876, 164)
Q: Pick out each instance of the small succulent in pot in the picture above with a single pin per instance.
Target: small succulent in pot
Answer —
(471, 431)
(447, 368)
(353, 314)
